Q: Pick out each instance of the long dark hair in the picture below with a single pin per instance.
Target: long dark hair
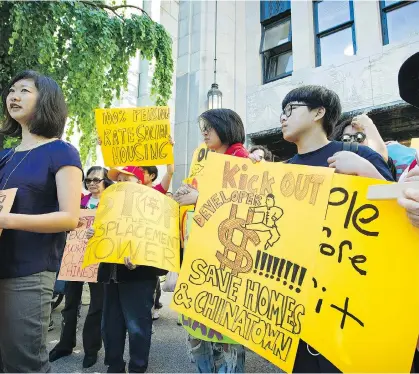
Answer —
(226, 123)
(51, 110)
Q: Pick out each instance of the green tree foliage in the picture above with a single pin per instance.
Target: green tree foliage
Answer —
(86, 47)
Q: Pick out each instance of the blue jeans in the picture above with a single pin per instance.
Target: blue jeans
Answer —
(127, 306)
(212, 357)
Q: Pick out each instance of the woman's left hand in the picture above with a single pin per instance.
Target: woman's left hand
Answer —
(129, 264)
(187, 196)
(255, 158)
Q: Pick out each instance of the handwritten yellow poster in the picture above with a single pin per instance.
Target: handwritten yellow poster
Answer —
(71, 263)
(136, 221)
(255, 233)
(363, 312)
(135, 136)
(7, 197)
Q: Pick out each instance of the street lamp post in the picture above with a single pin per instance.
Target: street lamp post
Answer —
(215, 96)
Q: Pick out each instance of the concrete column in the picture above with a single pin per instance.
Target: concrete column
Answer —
(368, 27)
(303, 36)
(196, 66)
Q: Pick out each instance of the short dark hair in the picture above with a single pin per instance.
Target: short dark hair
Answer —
(266, 151)
(340, 128)
(106, 180)
(316, 97)
(226, 123)
(151, 170)
(50, 113)
(270, 196)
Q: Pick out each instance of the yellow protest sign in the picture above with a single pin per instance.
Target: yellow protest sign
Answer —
(71, 263)
(136, 221)
(135, 136)
(255, 233)
(363, 313)
(7, 197)
(199, 159)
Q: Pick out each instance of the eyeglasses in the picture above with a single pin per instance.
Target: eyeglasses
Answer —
(288, 109)
(358, 137)
(94, 180)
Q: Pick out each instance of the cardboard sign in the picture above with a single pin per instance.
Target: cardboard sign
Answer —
(255, 233)
(202, 332)
(363, 312)
(138, 222)
(258, 271)
(135, 136)
(199, 159)
(7, 197)
(71, 264)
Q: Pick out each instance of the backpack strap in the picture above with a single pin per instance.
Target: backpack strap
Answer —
(350, 147)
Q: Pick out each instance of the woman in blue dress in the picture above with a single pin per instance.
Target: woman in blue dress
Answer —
(47, 173)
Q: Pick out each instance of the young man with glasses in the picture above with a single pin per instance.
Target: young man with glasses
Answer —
(308, 119)
(309, 116)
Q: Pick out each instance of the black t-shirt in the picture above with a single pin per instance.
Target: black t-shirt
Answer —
(319, 158)
(305, 361)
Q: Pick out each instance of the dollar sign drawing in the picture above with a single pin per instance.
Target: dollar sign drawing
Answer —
(225, 235)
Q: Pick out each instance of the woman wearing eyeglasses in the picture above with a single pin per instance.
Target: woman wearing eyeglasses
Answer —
(362, 130)
(96, 182)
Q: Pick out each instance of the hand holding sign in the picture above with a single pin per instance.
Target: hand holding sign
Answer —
(135, 225)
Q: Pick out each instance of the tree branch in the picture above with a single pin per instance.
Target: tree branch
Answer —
(113, 9)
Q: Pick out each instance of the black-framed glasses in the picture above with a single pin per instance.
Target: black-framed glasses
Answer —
(358, 137)
(94, 180)
(288, 109)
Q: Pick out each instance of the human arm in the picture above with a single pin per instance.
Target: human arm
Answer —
(167, 179)
(364, 124)
(352, 164)
(68, 181)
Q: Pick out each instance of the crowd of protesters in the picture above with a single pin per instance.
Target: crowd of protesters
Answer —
(48, 175)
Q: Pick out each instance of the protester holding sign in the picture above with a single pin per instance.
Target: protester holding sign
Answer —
(223, 132)
(128, 301)
(47, 173)
(309, 116)
(96, 182)
(150, 175)
(362, 130)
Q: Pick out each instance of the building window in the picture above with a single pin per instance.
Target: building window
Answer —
(335, 31)
(399, 20)
(276, 50)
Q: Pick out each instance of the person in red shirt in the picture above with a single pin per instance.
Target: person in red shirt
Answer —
(223, 132)
(151, 174)
(128, 300)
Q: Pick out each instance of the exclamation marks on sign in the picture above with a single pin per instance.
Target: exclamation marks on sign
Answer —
(271, 266)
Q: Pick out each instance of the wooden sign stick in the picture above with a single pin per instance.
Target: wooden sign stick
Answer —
(389, 191)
